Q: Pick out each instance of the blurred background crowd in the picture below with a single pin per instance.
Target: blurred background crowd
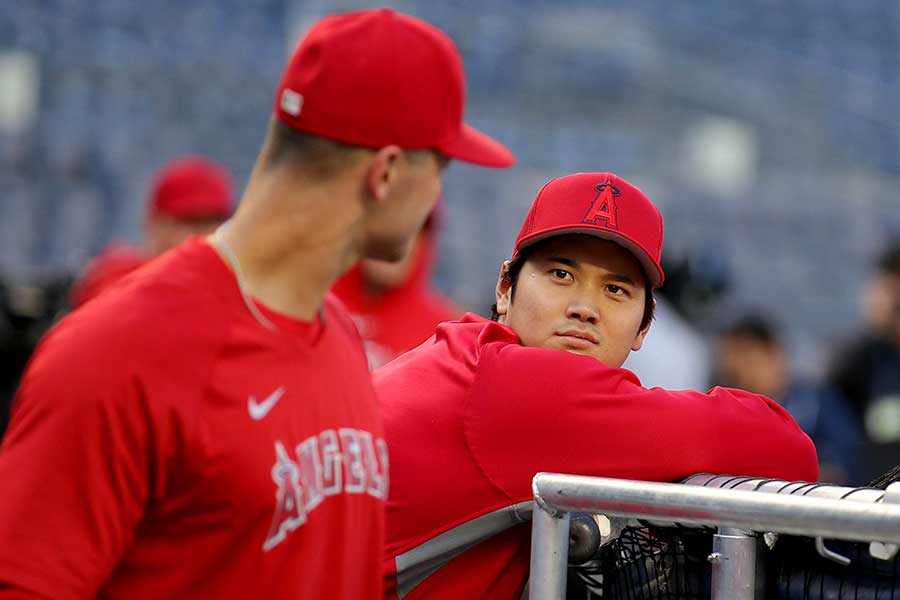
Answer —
(765, 131)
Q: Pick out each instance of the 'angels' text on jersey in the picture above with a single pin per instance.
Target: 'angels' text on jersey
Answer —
(347, 460)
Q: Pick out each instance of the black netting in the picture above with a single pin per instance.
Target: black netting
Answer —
(885, 479)
(647, 564)
(671, 564)
(797, 572)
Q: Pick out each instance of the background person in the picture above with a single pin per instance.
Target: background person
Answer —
(750, 355)
(190, 196)
(867, 368)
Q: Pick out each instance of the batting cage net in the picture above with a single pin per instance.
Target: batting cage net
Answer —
(653, 561)
(657, 563)
(647, 563)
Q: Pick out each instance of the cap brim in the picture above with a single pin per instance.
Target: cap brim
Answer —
(653, 271)
(474, 147)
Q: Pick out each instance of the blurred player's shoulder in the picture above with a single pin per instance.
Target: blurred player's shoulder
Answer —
(176, 304)
(157, 334)
(108, 267)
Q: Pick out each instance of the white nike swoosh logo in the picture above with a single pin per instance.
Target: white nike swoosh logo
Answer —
(259, 410)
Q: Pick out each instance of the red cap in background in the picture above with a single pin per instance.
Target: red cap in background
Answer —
(192, 188)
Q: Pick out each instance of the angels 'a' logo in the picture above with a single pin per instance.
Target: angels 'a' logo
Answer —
(604, 208)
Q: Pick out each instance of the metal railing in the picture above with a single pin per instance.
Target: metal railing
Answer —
(738, 514)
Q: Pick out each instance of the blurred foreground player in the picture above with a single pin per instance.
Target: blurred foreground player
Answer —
(472, 414)
(190, 196)
(209, 429)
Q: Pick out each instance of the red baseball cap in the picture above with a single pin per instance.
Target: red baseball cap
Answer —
(193, 188)
(602, 205)
(377, 77)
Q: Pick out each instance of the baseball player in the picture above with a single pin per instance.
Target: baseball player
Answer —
(475, 411)
(191, 195)
(209, 429)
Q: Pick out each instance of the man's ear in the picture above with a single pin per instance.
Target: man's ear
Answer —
(383, 172)
(503, 291)
(642, 334)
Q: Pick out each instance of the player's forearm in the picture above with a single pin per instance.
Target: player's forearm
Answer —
(651, 435)
(749, 434)
(552, 411)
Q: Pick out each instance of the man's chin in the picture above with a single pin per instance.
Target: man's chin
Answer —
(578, 351)
(385, 251)
(555, 345)
(587, 351)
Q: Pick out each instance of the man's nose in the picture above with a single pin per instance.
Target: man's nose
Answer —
(582, 309)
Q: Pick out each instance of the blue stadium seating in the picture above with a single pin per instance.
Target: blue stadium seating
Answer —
(569, 85)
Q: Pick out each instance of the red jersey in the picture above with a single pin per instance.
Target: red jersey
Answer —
(165, 444)
(105, 269)
(471, 415)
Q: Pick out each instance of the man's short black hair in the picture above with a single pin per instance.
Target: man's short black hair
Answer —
(753, 326)
(889, 259)
(515, 268)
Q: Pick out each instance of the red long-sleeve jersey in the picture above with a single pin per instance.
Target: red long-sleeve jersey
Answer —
(471, 415)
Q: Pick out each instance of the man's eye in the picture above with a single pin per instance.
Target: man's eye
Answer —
(561, 274)
(614, 288)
